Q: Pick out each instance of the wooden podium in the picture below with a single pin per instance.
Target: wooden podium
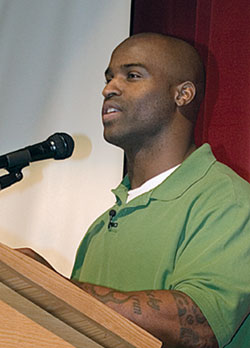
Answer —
(41, 309)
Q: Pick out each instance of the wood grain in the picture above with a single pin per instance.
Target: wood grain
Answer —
(22, 312)
(69, 304)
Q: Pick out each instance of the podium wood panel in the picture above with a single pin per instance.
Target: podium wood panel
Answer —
(16, 330)
(25, 323)
(70, 305)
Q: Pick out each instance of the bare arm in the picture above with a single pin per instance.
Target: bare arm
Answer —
(170, 316)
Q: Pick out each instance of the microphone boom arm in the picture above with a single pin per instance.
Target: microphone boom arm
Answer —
(8, 179)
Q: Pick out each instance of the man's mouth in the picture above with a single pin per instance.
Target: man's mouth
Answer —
(110, 110)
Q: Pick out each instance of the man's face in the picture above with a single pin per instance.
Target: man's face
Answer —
(138, 101)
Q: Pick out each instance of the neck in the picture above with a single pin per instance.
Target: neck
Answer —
(150, 161)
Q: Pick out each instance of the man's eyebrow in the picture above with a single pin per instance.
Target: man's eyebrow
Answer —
(108, 71)
(132, 65)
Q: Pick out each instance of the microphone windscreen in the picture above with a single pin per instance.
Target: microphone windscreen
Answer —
(63, 144)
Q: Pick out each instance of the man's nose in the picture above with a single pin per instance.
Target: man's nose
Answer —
(113, 87)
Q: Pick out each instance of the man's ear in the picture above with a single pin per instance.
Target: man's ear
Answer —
(185, 93)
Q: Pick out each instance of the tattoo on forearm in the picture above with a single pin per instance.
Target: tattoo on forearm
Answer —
(191, 320)
(108, 296)
(121, 298)
(188, 312)
(153, 302)
(114, 297)
(136, 306)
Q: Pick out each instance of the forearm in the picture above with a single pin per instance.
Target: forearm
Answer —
(171, 316)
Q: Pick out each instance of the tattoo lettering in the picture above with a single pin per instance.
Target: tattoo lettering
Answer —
(192, 321)
(153, 302)
(137, 306)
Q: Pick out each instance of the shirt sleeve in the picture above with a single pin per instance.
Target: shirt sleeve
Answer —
(212, 266)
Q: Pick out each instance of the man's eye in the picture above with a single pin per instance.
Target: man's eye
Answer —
(107, 81)
(133, 75)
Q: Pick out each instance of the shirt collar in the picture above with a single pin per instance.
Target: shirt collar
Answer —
(189, 172)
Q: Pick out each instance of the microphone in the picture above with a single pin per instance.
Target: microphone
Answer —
(112, 213)
(57, 146)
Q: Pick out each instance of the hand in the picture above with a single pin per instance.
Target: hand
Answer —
(35, 256)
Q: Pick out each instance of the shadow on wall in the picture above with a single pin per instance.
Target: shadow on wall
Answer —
(208, 105)
(83, 147)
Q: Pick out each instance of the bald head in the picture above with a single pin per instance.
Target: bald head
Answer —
(180, 60)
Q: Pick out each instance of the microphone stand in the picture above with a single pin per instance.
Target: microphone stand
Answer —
(14, 176)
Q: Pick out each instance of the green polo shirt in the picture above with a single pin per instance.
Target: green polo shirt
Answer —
(191, 233)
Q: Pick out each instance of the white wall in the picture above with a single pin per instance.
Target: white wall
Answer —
(52, 57)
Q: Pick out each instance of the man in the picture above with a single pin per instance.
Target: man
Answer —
(172, 254)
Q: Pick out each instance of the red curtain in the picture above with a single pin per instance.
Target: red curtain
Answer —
(220, 30)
